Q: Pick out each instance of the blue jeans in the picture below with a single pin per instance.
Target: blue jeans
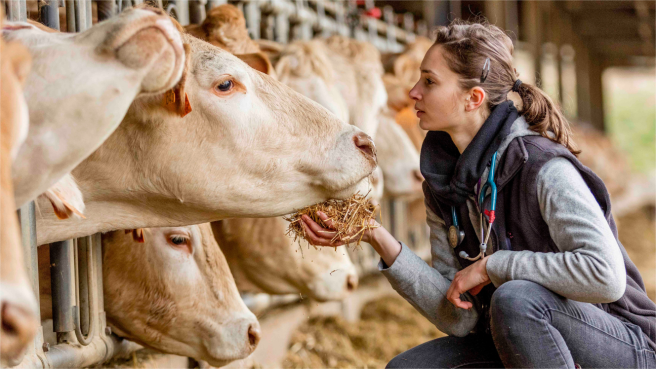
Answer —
(533, 327)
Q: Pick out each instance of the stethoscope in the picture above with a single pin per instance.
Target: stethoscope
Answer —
(456, 235)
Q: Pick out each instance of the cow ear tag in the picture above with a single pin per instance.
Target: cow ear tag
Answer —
(173, 101)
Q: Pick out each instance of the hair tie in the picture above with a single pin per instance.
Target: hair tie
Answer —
(486, 70)
(515, 87)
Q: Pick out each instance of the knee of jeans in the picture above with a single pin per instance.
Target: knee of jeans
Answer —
(514, 299)
(395, 363)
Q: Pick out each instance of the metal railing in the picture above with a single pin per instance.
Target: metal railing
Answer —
(78, 335)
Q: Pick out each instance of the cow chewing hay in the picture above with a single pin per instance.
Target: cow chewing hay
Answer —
(349, 217)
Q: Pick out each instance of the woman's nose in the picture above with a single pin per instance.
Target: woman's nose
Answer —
(414, 93)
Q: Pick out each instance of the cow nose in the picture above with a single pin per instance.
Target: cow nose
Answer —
(418, 175)
(351, 282)
(366, 145)
(254, 334)
(18, 328)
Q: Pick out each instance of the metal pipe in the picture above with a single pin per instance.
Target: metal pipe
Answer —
(89, 18)
(70, 16)
(196, 11)
(82, 313)
(27, 220)
(16, 10)
(98, 351)
(106, 9)
(80, 16)
(49, 13)
(61, 276)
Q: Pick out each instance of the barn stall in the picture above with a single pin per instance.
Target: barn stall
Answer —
(78, 334)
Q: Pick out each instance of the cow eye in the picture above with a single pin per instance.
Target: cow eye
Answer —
(225, 86)
(179, 240)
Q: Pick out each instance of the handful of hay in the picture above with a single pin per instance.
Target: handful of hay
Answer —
(350, 218)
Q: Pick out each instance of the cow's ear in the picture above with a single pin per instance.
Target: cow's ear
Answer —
(176, 100)
(258, 61)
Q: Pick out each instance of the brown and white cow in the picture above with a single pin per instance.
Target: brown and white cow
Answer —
(17, 301)
(82, 85)
(263, 259)
(250, 147)
(173, 293)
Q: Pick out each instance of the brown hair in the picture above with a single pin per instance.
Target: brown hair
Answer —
(466, 46)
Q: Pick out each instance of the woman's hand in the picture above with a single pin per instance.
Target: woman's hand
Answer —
(473, 278)
(382, 241)
(319, 236)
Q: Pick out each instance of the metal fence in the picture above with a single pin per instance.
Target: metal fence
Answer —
(78, 335)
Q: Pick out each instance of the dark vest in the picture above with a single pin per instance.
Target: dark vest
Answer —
(519, 224)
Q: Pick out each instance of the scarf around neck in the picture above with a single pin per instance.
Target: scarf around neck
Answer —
(452, 176)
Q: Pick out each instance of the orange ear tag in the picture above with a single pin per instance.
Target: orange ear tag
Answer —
(187, 107)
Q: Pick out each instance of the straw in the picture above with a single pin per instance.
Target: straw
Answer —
(350, 218)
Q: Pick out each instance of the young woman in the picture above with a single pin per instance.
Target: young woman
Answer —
(527, 270)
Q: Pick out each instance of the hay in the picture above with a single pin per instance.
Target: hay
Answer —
(350, 218)
(388, 326)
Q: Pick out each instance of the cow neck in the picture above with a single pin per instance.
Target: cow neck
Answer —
(452, 176)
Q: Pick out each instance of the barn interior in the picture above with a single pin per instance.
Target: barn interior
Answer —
(595, 59)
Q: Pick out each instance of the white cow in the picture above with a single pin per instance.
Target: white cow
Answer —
(17, 300)
(251, 147)
(82, 85)
(173, 293)
(263, 259)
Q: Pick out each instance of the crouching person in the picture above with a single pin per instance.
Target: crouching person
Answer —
(527, 270)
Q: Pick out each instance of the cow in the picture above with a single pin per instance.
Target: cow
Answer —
(225, 27)
(18, 308)
(250, 147)
(264, 259)
(173, 293)
(82, 85)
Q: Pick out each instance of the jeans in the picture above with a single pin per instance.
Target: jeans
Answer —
(533, 327)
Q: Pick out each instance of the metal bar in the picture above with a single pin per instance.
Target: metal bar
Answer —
(80, 16)
(196, 11)
(61, 276)
(70, 16)
(106, 9)
(49, 13)
(16, 10)
(252, 14)
(182, 10)
(27, 219)
(89, 13)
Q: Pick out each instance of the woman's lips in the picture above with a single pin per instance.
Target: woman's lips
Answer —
(419, 113)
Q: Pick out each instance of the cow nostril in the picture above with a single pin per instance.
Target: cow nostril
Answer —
(351, 282)
(418, 175)
(365, 144)
(18, 325)
(253, 335)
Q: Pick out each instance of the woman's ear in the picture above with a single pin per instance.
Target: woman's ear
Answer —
(474, 98)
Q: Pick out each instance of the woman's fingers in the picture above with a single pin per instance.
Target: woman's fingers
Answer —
(454, 292)
(319, 230)
(317, 240)
(326, 220)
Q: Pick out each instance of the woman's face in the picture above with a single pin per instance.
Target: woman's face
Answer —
(439, 99)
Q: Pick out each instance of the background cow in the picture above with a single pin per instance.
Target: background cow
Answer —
(173, 293)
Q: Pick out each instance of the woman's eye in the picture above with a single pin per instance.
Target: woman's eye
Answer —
(179, 240)
(429, 82)
(225, 86)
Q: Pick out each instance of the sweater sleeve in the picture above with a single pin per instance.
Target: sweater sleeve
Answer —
(425, 287)
(589, 267)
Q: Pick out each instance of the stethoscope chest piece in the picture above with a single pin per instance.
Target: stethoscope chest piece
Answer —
(455, 236)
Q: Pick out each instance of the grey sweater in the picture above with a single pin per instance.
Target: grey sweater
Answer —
(589, 268)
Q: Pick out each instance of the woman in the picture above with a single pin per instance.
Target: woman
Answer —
(538, 279)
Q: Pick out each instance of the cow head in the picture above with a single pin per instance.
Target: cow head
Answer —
(263, 259)
(250, 147)
(82, 84)
(17, 302)
(177, 275)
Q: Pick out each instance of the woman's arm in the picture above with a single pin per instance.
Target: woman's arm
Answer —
(423, 287)
(590, 267)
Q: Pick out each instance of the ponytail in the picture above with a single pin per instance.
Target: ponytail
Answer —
(544, 117)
